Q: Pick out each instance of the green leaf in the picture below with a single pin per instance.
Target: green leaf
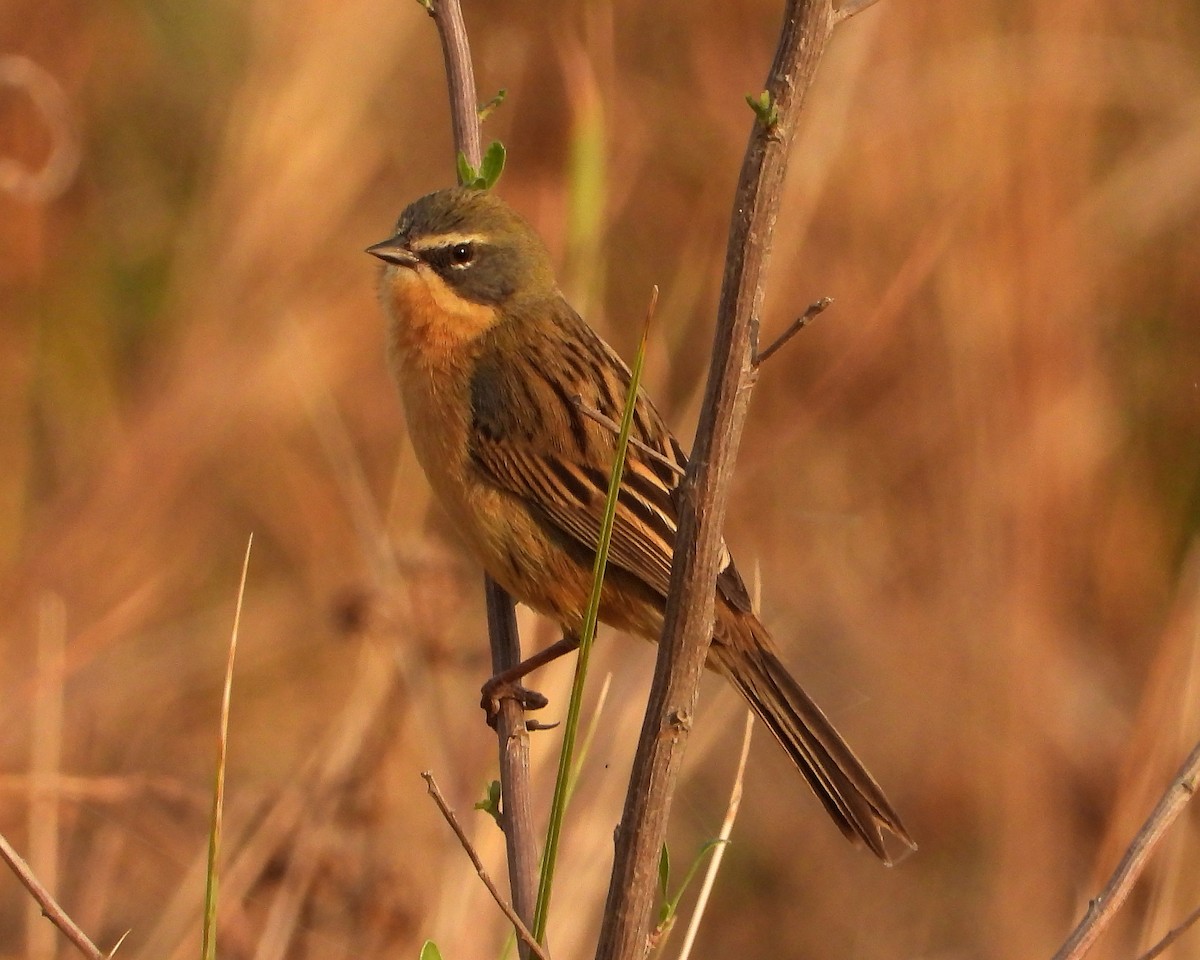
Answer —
(664, 871)
(764, 108)
(671, 904)
(492, 165)
(490, 804)
(467, 174)
(429, 951)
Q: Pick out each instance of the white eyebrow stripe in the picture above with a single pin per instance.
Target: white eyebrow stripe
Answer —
(440, 240)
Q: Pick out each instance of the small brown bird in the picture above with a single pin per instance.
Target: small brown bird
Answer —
(500, 381)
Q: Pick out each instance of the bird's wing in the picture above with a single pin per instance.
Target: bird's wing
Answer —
(532, 435)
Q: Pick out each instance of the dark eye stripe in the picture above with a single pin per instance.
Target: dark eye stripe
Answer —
(444, 257)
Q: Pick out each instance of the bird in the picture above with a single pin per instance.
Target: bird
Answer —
(510, 399)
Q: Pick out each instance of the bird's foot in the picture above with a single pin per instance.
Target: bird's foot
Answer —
(496, 690)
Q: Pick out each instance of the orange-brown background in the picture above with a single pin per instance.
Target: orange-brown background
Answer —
(970, 489)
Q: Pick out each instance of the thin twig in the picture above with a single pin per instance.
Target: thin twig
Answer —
(718, 854)
(460, 78)
(610, 424)
(1103, 908)
(851, 8)
(50, 908)
(522, 930)
(798, 324)
(1174, 934)
(512, 734)
(704, 492)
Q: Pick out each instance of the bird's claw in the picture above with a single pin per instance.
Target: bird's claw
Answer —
(492, 693)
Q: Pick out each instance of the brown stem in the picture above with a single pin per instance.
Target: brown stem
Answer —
(460, 78)
(511, 732)
(704, 492)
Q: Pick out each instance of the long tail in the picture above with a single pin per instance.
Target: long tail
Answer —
(743, 652)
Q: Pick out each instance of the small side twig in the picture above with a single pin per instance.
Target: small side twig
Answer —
(522, 930)
(798, 324)
(50, 908)
(615, 428)
(1172, 935)
(1103, 908)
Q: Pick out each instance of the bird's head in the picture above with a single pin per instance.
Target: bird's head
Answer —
(467, 245)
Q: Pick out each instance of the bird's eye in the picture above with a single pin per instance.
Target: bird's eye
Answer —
(461, 254)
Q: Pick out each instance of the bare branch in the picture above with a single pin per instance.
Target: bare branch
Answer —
(512, 733)
(704, 491)
(522, 930)
(50, 908)
(1103, 908)
(460, 78)
(798, 324)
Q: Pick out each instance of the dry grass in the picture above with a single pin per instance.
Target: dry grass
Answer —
(971, 486)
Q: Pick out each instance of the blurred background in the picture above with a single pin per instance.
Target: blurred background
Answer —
(970, 491)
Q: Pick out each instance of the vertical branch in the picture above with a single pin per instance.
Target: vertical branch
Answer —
(460, 77)
(511, 734)
(520, 838)
(704, 492)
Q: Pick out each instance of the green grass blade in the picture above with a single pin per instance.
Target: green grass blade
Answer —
(587, 635)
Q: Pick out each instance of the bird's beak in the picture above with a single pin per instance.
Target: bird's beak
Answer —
(394, 251)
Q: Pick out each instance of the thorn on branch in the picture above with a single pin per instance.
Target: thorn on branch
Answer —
(850, 8)
(798, 324)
